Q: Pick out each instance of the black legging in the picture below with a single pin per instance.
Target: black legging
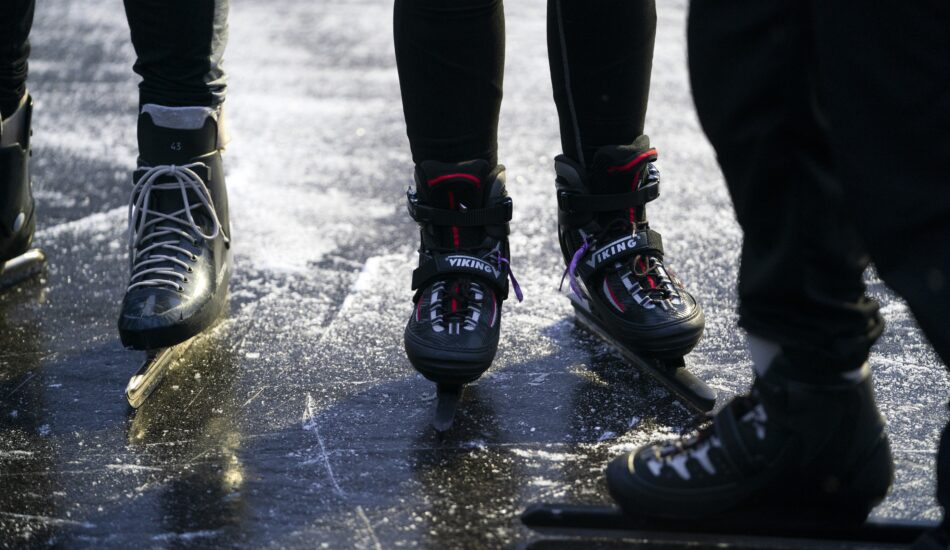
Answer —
(450, 57)
(179, 44)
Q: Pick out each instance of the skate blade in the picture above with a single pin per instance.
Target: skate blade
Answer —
(671, 373)
(26, 265)
(152, 372)
(447, 402)
(751, 529)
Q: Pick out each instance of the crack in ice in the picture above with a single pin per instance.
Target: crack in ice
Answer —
(309, 423)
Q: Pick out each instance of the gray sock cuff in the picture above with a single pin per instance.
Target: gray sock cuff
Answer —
(179, 118)
(188, 118)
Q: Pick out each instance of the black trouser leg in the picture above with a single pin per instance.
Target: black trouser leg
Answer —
(885, 83)
(179, 44)
(889, 103)
(752, 66)
(16, 19)
(451, 57)
(601, 56)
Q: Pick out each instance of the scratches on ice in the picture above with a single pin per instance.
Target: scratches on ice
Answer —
(186, 537)
(130, 468)
(20, 385)
(47, 520)
(369, 528)
(309, 423)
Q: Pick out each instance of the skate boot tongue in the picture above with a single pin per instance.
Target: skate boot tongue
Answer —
(622, 169)
(619, 168)
(161, 146)
(454, 187)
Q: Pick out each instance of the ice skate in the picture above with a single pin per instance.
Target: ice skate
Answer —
(622, 291)
(799, 442)
(463, 212)
(799, 462)
(179, 240)
(18, 261)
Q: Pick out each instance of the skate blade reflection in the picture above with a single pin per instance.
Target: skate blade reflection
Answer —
(21, 268)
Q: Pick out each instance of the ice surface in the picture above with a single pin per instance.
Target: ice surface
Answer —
(299, 423)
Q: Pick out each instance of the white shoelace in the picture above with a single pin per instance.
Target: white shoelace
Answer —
(144, 225)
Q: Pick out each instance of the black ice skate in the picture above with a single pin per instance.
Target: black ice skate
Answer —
(799, 442)
(179, 240)
(622, 290)
(798, 463)
(463, 212)
(18, 261)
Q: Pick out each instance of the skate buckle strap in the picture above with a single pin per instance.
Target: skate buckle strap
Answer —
(591, 257)
(149, 255)
(493, 269)
(597, 255)
(472, 217)
(586, 203)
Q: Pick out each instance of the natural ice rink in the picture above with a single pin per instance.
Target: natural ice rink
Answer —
(300, 422)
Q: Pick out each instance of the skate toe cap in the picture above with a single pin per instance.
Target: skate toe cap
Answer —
(151, 307)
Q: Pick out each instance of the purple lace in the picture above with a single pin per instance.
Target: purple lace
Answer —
(572, 269)
(511, 275)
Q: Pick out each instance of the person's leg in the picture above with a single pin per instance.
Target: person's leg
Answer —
(179, 46)
(450, 57)
(885, 85)
(801, 275)
(809, 432)
(16, 19)
(179, 234)
(601, 55)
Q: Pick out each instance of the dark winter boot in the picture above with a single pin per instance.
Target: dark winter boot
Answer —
(463, 212)
(179, 237)
(17, 221)
(614, 260)
(793, 443)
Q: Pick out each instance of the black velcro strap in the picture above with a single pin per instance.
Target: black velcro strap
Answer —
(578, 202)
(444, 263)
(628, 246)
(472, 217)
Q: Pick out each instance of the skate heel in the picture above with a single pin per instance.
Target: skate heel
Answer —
(866, 488)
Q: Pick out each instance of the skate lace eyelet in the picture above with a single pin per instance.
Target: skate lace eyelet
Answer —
(154, 259)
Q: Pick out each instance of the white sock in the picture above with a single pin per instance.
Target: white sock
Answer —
(763, 352)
